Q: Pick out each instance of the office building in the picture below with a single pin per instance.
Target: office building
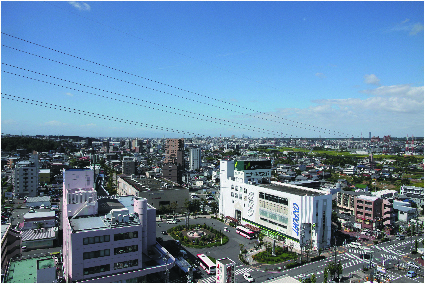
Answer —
(107, 239)
(194, 159)
(298, 215)
(128, 166)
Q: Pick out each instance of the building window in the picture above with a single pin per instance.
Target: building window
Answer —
(125, 236)
(125, 249)
(96, 269)
(96, 254)
(125, 264)
(97, 239)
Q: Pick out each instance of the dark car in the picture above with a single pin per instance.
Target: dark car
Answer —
(164, 232)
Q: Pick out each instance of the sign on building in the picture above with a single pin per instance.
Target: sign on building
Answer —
(225, 270)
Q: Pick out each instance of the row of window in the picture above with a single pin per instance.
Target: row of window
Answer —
(126, 249)
(235, 195)
(95, 254)
(274, 216)
(97, 269)
(273, 198)
(95, 240)
(125, 236)
(125, 264)
(236, 188)
(274, 223)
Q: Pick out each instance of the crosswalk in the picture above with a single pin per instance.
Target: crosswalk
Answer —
(212, 279)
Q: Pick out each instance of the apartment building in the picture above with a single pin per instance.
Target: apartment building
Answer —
(26, 177)
(174, 163)
(345, 201)
(194, 159)
(107, 239)
(368, 211)
(295, 214)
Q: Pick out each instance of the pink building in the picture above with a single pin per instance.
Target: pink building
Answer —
(107, 239)
(368, 211)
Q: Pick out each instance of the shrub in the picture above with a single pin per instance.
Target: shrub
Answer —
(318, 258)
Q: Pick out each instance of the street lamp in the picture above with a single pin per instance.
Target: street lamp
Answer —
(166, 258)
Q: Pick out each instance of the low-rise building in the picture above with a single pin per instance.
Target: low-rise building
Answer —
(107, 239)
(38, 201)
(158, 192)
(10, 245)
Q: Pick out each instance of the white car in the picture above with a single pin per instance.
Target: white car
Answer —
(171, 222)
(248, 277)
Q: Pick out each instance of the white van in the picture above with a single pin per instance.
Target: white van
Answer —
(355, 245)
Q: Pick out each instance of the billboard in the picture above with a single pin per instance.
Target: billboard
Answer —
(253, 165)
(295, 217)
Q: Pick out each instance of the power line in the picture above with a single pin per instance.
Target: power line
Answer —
(320, 129)
(93, 114)
(136, 104)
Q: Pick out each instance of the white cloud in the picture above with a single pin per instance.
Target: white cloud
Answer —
(389, 110)
(9, 122)
(82, 6)
(372, 79)
(69, 94)
(54, 123)
(89, 125)
(320, 75)
(416, 29)
(404, 26)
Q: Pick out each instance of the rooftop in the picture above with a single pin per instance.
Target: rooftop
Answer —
(146, 184)
(85, 223)
(25, 271)
(38, 198)
(31, 235)
(226, 261)
(292, 190)
(48, 214)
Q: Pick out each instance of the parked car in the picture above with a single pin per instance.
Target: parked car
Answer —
(164, 232)
(411, 274)
(171, 222)
(248, 277)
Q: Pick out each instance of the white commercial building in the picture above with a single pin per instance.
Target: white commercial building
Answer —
(194, 158)
(301, 216)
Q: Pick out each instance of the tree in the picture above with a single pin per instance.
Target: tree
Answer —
(325, 275)
(313, 278)
(214, 208)
(339, 269)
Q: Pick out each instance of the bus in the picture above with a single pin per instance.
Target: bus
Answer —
(207, 264)
(247, 233)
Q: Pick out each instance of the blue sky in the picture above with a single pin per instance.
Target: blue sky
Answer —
(261, 69)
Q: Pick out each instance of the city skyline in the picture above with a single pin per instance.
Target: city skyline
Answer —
(259, 69)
